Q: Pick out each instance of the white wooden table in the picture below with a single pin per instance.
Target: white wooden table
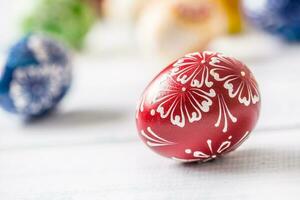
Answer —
(89, 148)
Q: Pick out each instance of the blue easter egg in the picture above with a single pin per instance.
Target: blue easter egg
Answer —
(279, 17)
(36, 76)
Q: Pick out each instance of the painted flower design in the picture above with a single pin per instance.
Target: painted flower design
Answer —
(181, 103)
(240, 85)
(211, 154)
(225, 147)
(35, 88)
(193, 68)
(224, 114)
(186, 160)
(239, 143)
(153, 140)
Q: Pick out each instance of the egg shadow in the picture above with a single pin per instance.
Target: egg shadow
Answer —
(75, 119)
(249, 161)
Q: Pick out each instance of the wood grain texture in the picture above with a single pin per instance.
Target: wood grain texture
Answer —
(262, 168)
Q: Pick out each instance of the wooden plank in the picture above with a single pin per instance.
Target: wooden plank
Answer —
(267, 166)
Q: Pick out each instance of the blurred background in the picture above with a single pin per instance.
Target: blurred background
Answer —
(88, 148)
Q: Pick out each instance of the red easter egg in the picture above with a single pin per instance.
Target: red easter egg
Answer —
(200, 107)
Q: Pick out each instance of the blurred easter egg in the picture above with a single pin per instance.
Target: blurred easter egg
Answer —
(234, 16)
(125, 11)
(96, 5)
(36, 76)
(67, 20)
(170, 28)
(279, 17)
(200, 107)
